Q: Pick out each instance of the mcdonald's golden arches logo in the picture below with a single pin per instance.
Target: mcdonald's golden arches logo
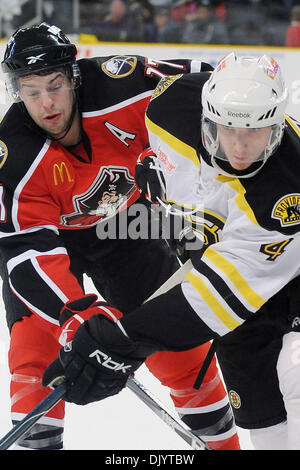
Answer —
(61, 174)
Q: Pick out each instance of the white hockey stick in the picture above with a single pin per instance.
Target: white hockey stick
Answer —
(33, 416)
(152, 402)
(175, 279)
(166, 415)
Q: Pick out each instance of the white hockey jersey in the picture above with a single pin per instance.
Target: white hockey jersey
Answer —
(250, 226)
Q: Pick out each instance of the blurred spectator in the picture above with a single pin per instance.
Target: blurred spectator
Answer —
(202, 26)
(59, 12)
(141, 9)
(179, 10)
(277, 21)
(293, 32)
(181, 7)
(221, 11)
(247, 22)
(161, 3)
(119, 24)
(162, 29)
(281, 9)
(8, 10)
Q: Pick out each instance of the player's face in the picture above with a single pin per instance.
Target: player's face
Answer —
(48, 100)
(242, 146)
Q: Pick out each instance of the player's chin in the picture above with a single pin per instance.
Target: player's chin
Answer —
(55, 131)
(241, 165)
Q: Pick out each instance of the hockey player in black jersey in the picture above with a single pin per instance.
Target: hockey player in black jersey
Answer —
(228, 157)
(69, 146)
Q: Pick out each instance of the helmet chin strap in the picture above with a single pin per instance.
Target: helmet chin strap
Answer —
(235, 173)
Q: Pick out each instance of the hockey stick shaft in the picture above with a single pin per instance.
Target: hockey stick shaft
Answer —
(136, 387)
(152, 402)
(163, 413)
(175, 279)
(33, 416)
(58, 393)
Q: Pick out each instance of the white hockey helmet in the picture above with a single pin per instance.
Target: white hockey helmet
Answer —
(244, 92)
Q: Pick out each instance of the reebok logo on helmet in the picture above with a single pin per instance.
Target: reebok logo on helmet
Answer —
(239, 114)
(33, 59)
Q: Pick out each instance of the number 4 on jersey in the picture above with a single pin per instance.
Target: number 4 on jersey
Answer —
(273, 250)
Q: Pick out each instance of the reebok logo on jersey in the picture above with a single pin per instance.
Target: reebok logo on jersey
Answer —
(287, 210)
(107, 361)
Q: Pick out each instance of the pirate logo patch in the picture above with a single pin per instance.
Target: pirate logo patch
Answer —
(107, 196)
(3, 153)
(119, 66)
(287, 210)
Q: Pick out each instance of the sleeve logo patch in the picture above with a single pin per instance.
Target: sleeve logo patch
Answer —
(165, 160)
(164, 83)
(3, 153)
(287, 210)
(119, 66)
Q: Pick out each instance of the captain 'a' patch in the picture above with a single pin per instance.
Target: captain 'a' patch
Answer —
(287, 210)
(119, 66)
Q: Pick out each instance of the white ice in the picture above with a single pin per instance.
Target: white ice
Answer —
(122, 422)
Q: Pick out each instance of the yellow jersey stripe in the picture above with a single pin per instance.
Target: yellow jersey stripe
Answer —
(240, 199)
(235, 277)
(176, 144)
(293, 125)
(214, 304)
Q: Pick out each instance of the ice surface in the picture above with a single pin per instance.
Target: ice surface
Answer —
(122, 422)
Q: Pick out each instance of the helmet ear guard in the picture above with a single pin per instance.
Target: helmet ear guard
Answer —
(245, 92)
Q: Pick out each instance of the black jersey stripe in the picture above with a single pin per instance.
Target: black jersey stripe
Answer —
(222, 288)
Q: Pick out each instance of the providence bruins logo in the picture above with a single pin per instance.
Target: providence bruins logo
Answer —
(287, 210)
(235, 399)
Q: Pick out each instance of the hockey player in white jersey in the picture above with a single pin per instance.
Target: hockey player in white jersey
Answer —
(229, 160)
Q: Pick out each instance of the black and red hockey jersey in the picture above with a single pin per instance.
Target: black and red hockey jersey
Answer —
(46, 187)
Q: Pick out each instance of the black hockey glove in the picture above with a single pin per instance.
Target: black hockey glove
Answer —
(97, 362)
(149, 177)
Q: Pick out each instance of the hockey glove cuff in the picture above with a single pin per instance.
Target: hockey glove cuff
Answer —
(75, 312)
(149, 177)
(97, 362)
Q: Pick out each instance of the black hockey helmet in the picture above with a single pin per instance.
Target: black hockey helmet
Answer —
(38, 50)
